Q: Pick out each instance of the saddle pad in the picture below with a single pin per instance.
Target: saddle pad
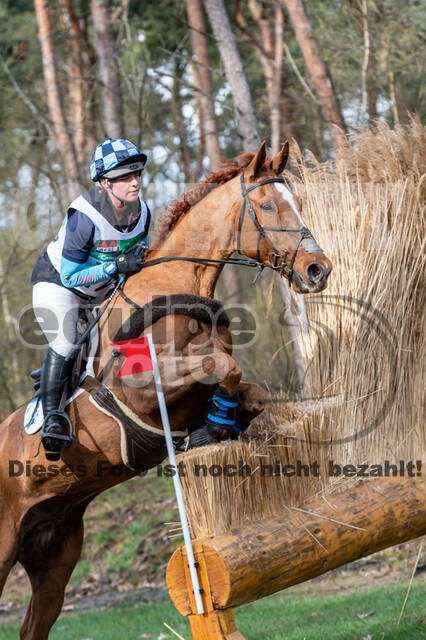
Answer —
(142, 446)
(33, 418)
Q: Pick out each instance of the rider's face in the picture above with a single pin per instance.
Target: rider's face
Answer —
(127, 187)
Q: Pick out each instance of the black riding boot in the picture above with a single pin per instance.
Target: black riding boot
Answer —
(57, 428)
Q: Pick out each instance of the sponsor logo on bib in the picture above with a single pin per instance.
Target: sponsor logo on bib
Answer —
(107, 246)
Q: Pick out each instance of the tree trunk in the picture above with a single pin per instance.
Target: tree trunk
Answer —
(63, 140)
(89, 57)
(112, 106)
(299, 544)
(269, 50)
(202, 68)
(317, 68)
(179, 123)
(75, 79)
(235, 74)
(202, 138)
(270, 54)
(278, 79)
(38, 148)
(289, 118)
(264, 49)
(271, 58)
(372, 92)
(374, 21)
(17, 396)
(365, 62)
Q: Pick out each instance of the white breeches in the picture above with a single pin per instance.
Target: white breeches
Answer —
(56, 310)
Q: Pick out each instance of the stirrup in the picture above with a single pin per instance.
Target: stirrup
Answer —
(64, 441)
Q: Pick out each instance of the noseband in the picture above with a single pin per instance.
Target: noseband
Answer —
(279, 259)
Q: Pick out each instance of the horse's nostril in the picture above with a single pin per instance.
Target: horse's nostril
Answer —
(315, 272)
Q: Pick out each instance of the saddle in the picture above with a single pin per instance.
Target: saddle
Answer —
(196, 307)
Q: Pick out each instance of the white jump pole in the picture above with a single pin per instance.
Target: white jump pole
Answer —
(176, 479)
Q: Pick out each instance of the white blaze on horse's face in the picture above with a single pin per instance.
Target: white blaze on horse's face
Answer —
(306, 265)
(308, 244)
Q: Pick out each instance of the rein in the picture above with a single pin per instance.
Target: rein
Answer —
(279, 260)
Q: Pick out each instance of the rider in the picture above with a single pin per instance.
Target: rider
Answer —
(101, 232)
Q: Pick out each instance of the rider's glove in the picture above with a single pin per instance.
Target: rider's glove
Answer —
(124, 265)
(129, 264)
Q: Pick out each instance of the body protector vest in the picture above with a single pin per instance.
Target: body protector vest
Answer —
(108, 242)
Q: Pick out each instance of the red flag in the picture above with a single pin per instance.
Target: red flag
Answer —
(138, 356)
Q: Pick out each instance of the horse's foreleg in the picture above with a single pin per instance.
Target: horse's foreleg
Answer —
(219, 367)
(181, 375)
(251, 398)
(220, 415)
(49, 571)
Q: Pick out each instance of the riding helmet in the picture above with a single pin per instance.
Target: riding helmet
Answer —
(114, 158)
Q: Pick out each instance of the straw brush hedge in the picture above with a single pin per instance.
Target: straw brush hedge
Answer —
(364, 347)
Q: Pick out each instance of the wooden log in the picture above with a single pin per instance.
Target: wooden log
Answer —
(212, 624)
(299, 544)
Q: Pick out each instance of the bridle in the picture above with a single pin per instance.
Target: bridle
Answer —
(279, 262)
(279, 259)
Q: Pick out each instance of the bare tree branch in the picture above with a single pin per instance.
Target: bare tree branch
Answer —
(299, 75)
(25, 98)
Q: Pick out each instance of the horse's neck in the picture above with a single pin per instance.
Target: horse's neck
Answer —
(207, 230)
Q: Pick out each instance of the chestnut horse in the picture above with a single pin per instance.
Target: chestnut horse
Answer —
(244, 206)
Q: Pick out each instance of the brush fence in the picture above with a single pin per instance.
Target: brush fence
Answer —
(280, 551)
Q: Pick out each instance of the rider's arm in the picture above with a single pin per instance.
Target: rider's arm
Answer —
(78, 268)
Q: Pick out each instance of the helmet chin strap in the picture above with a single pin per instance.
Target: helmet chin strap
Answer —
(123, 203)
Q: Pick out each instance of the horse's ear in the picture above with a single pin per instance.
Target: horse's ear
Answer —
(256, 163)
(280, 160)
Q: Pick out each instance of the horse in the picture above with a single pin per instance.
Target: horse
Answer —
(244, 207)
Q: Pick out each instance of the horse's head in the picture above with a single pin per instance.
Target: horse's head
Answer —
(270, 227)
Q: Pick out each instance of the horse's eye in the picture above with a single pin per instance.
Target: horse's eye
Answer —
(268, 207)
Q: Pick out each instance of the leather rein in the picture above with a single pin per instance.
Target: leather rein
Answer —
(279, 260)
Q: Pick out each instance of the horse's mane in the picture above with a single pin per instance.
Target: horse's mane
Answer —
(177, 208)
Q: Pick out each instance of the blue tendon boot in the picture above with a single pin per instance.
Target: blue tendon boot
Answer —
(221, 420)
(57, 428)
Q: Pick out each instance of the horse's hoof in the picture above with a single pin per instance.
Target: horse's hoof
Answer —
(199, 438)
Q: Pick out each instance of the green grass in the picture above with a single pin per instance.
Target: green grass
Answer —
(124, 527)
(285, 616)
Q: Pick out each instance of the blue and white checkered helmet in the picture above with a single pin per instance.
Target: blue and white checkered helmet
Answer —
(115, 158)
